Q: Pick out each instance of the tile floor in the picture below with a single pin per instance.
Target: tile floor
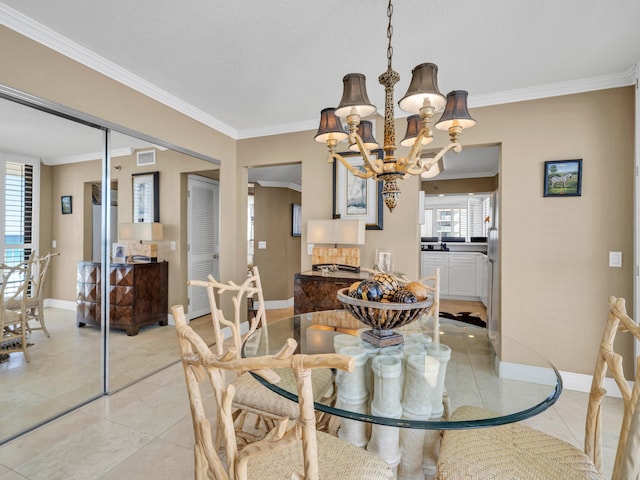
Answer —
(144, 431)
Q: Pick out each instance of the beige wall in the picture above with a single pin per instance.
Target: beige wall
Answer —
(555, 275)
(280, 261)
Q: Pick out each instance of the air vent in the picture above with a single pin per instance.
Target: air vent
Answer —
(146, 158)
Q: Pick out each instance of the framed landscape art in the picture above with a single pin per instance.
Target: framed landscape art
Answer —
(563, 178)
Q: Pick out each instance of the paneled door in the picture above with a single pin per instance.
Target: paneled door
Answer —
(202, 239)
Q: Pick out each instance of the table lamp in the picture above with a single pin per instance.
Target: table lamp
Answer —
(336, 232)
(141, 232)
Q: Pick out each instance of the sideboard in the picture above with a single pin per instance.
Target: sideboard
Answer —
(315, 291)
(138, 295)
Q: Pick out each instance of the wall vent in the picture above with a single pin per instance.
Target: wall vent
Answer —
(147, 157)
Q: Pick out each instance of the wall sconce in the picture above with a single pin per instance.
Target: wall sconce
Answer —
(141, 232)
(336, 232)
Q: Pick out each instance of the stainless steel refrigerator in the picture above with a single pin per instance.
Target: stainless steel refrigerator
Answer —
(493, 255)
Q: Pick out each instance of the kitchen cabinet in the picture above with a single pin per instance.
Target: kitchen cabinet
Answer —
(428, 264)
(461, 273)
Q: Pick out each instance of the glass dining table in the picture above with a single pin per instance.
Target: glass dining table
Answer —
(416, 385)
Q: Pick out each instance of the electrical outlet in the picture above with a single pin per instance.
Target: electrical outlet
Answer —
(53, 243)
(262, 244)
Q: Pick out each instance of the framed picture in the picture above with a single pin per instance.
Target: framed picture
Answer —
(356, 198)
(66, 204)
(563, 178)
(146, 197)
(296, 220)
(119, 253)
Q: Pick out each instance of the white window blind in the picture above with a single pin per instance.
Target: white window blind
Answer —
(18, 213)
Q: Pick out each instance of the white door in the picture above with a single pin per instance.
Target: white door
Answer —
(203, 243)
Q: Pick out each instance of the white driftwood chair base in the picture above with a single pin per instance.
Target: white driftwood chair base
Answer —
(297, 452)
(518, 451)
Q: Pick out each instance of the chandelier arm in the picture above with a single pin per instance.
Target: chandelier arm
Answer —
(416, 148)
(354, 170)
(377, 165)
(429, 162)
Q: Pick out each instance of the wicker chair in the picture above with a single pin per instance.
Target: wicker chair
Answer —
(518, 451)
(13, 318)
(250, 396)
(297, 452)
(35, 307)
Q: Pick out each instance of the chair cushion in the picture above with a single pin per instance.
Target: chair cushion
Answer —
(250, 393)
(507, 452)
(337, 459)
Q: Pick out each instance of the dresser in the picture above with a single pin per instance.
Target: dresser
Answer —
(313, 291)
(138, 295)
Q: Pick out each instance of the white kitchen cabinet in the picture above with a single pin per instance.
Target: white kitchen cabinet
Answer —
(428, 264)
(462, 274)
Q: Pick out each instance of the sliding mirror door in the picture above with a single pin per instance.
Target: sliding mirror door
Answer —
(45, 161)
(149, 253)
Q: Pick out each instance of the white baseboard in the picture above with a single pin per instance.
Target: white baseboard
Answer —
(277, 304)
(578, 382)
(61, 304)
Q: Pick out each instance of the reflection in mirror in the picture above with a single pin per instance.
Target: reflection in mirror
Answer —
(56, 167)
(152, 276)
(43, 158)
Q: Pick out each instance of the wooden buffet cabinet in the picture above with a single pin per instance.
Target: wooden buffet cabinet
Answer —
(313, 291)
(138, 295)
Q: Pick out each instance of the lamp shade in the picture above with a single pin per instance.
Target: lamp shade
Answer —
(456, 112)
(423, 90)
(343, 232)
(354, 97)
(365, 131)
(414, 125)
(142, 231)
(330, 127)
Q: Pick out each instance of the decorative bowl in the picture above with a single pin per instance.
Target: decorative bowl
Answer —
(383, 317)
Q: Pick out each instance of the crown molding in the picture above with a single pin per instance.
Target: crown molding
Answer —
(118, 152)
(36, 31)
(616, 80)
(273, 184)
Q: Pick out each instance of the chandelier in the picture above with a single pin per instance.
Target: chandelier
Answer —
(422, 101)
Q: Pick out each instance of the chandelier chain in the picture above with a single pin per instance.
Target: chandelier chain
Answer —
(389, 35)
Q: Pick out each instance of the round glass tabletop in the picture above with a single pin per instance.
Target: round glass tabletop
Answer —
(417, 384)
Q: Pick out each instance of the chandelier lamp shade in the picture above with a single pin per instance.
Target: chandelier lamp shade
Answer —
(422, 101)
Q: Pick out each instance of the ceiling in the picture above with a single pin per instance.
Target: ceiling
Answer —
(251, 68)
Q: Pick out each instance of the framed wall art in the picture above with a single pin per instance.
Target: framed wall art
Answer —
(563, 178)
(356, 198)
(146, 197)
(66, 204)
(296, 220)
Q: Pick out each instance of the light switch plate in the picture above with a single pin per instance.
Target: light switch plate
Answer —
(309, 248)
(262, 244)
(615, 259)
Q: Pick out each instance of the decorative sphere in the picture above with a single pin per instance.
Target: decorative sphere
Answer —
(370, 290)
(404, 296)
(388, 283)
(418, 289)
